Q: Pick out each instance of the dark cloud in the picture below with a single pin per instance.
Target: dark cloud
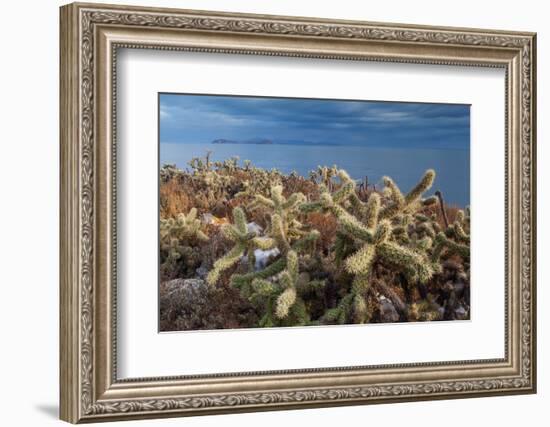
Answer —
(203, 118)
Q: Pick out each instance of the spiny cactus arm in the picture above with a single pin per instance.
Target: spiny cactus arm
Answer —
(296, 225)
(372, 210)
(225, 262)
(267, 320)
(298, 314)
(443, 242)
(360, 283)
(430, 201)
(340, 247)
(292, 266)
(288, 280)
(456, 232)
(393, 191)
(423, 185)
(438, 246)
(462, 235)
(278, 232)
(390, 211)
(201, 236)
(260, 200)
(293, 201)
(263, 243)
(383, 231)
(284, 302)
(251, 257)
(460, 216)
(271, 270)
(415, 266)
(312, 207)
(231, 232)
(341, 313)
(277, 197)
(426, 228)
(360, 312)
(240, 220)
(346, 190)
(361, 261)
(409, 202)
(400, 234)
(331, 315)
(357, 205)
(262, 287)
(306, 241)
(403, 219)
(421, 217)
(351, 225)
(191, 216)
(425, 243)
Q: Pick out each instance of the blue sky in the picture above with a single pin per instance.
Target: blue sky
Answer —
(204, 118)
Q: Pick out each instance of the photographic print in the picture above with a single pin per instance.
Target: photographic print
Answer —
(279, 212)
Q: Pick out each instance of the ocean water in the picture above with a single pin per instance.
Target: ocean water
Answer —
(404, 166)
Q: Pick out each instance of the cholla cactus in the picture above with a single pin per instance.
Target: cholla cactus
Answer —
(284, 226)
(455, 240)
(281, 295)
(410, 202)
(245, 242)
(324, 175)
(169, 171)
(385, 242)
(182, 228)
(367, 237)
(277, 287)
(179, 240)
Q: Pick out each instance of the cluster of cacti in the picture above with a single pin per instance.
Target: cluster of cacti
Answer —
(323, 175)
(370, 234)
(179, 239)
(387, 248)
(276, 288)
(245, 241)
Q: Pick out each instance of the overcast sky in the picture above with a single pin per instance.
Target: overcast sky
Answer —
(204, 118)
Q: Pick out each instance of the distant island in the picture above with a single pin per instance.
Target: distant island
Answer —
(267, 141)
(260, 141)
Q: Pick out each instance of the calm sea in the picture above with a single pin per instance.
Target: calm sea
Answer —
(405, 166)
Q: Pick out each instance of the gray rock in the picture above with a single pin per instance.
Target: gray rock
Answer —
(461, 313)
(252, 227)
(264, 257)
(207, 218)
(184, 301)
(191, 304)
(388, 313)
(202, 272)
(188, 289)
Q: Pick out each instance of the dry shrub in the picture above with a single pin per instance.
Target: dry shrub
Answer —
(326, 225)
(174, 199)
(299, 184)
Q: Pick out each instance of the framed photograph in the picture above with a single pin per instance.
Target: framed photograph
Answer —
(266, 212)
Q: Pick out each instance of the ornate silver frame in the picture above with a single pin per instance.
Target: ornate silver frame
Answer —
(90, 36)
